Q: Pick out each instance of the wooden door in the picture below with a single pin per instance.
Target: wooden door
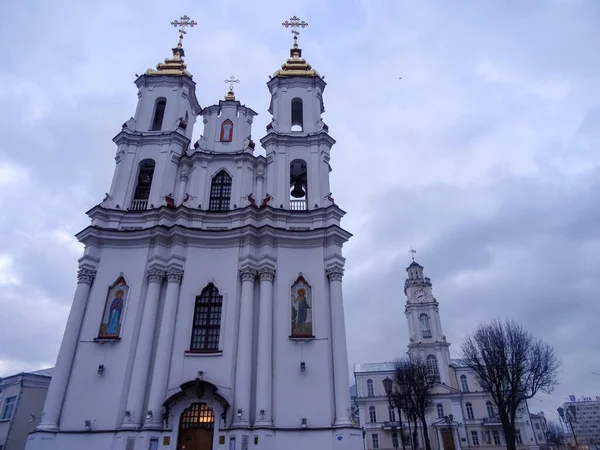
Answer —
(196, 428)
(447, 439)
(195, 439)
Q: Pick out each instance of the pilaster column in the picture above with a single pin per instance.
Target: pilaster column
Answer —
(264, 364)
(141, 364)
(64, 361)
(183, 178)
(243, 369)
(164, 348)
(260, 178)
(340, 353)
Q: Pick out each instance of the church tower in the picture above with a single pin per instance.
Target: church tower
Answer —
(208, 312)
(426, 338)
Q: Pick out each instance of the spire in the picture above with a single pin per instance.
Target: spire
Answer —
(230, 96)
(175, 65)
(295, 66)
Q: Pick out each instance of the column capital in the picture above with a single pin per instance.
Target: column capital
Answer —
(86, 276)
(247, 274)
(335, 273)
(174, 275)
(266, 274)
(155, 275)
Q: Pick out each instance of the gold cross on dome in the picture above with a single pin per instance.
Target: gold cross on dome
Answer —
(231, 80)
(293, 23)
(184, 21)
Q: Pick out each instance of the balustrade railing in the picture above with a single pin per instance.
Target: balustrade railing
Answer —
(139, 205)
(298, 205)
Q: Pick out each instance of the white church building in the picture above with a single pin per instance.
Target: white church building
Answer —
(461, 415)
(209, 311)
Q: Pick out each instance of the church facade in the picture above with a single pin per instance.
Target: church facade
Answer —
(208, 312)
(461, 416)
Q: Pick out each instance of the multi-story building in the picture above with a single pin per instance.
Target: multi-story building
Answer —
(21, 401)
(462, 416)
(585, 421)
(540, 427)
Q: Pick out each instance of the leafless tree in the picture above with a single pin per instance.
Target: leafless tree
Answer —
(512, 366)
(415, 383)
(555, 435)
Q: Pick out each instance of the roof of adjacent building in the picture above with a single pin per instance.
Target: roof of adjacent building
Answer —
(42, 373)
(390, 366)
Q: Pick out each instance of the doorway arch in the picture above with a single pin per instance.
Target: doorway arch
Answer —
(196, 428)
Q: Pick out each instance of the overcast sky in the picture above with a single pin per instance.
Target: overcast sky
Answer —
(485, 156)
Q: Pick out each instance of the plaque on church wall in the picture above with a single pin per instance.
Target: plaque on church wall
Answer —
(301, 309)
(112, 317)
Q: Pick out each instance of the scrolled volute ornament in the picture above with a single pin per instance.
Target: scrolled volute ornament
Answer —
(155, 275)
(247, 274)
(266, 274)
(86, 276)
(174, 275)
(335, 274)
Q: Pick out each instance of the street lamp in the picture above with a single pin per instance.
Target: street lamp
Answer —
(568, 417)
(394, 401)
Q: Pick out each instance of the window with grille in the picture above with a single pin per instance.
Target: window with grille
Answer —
(464, 383)
(220, 192)
(370, 390)
(198, 415)
(9, 408)
(440, 410)
(475, 438)
(490, 409)
(518, 437)
(375, 440)
(432, 368)
(425, 327)
(130, 445)
(392, 413)
(470, 413)
(395, 440)
(496, 437)
(206, 326)
(372, 414)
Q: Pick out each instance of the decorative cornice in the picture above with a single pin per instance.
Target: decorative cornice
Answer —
(247, 274)
(86, 276)
(155, 275)
(335, 273)
(266, 274)
(174, 275)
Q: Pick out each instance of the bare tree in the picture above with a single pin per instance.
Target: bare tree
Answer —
(555, 435)
(512, 366)
(414, 383)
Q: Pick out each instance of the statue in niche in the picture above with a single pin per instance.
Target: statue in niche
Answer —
(226, 131)
(110, 327)
(301, 308)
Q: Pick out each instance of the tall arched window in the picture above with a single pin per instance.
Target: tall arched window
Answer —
(159, 114)
(392, 413)
(372, 414)
(440, 410)
(297, 115)
(425, 327)
(226, 131)
(220, 192)
(464, 384)
(144, 183)
(206, 326)
(490, 409)
(432, 368)
(470, 413)
(370, 391)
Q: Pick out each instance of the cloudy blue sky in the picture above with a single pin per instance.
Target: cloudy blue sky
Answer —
(485, 156)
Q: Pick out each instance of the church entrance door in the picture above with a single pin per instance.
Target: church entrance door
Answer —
(447, 439)
(196, 428)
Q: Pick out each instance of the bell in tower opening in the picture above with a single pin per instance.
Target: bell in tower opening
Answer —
(298, 179)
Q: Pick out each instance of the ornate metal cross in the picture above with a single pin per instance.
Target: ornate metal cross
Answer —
(231, 80)
(184, 21)
(413, 251)
(293, 23)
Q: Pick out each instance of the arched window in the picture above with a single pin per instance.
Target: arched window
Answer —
(370, 391)
(159, 114)
(424, 323)
(432, 368)
(220, 192)
(144, 183)
(490, 409)
(470, 413)
(226, 131)
(372, 414)
(206, 326)
(198, 415)
(440, 410)
(464, 384)
(297, 115)
(298, 185)
(392, 413)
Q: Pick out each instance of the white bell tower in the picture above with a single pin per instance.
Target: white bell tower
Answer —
(427, 340)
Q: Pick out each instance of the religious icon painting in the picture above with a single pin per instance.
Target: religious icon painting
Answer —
(226, 131)
(302, 325)
(112, 317)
